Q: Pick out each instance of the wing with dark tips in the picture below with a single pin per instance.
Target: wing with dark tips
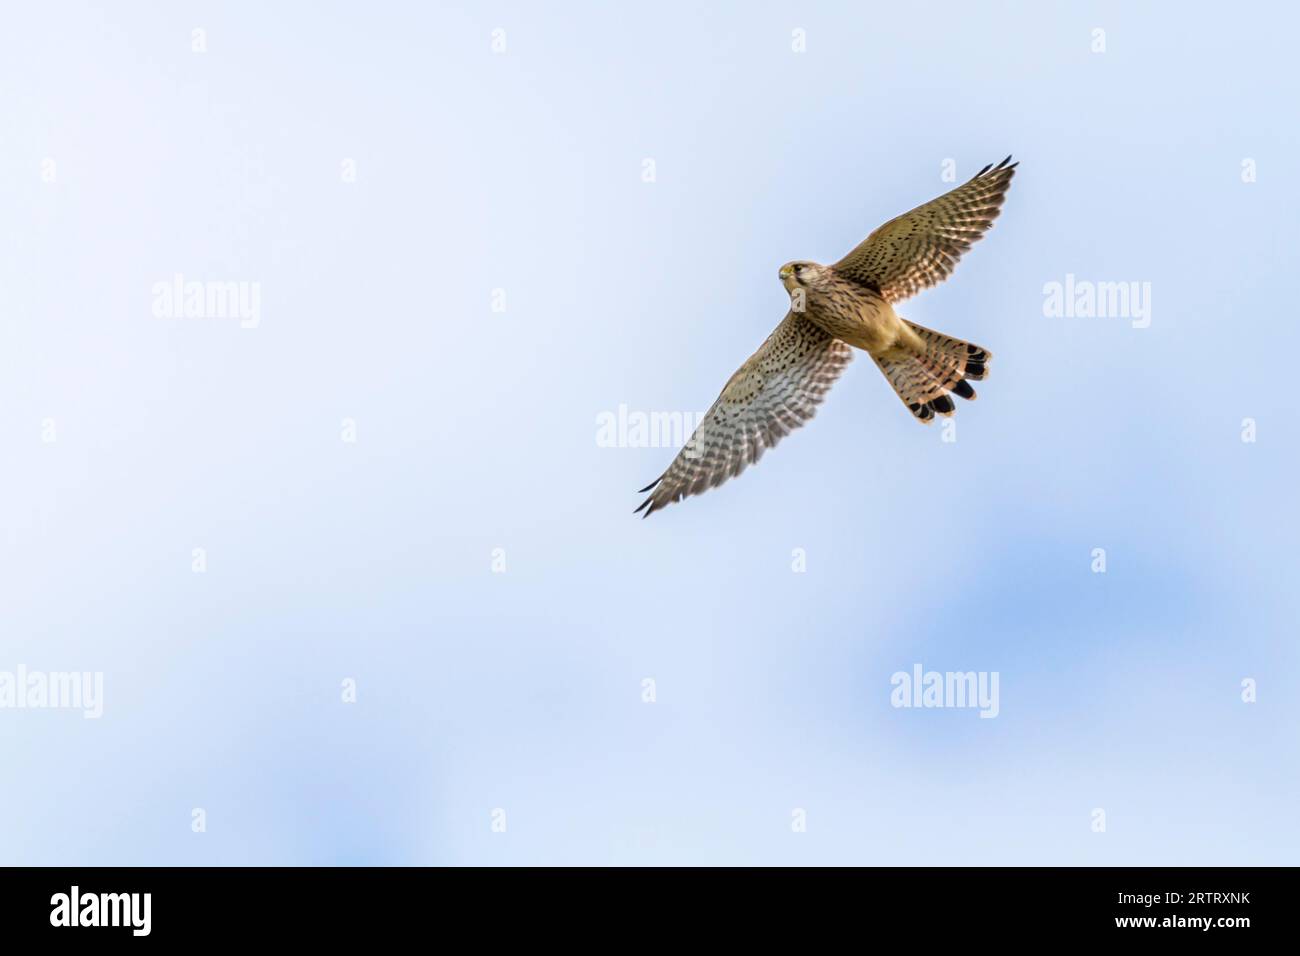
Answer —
(772, 394)
(921, 248)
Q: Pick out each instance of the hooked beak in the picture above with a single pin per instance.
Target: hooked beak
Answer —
(785, 273)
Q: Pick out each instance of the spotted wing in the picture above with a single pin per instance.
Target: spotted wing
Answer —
(921, 248)
(777, 389)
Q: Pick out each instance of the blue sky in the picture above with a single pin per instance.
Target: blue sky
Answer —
(385, 177)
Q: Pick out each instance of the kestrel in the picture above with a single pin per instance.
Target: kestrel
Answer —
(832, 310)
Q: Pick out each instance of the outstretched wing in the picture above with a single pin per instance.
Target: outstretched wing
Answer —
(777, 389)
(921, 248)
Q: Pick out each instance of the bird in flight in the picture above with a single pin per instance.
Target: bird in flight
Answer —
(834, 309)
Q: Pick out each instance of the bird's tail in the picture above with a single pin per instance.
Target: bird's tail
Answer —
(923, 375)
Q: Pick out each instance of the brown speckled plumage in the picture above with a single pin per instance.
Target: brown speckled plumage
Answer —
(833, 308)
(920, 248)
(772, 394)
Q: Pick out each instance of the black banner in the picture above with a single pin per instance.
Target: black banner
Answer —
(336, 905)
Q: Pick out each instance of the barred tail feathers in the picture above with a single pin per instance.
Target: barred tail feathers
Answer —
(924, 376)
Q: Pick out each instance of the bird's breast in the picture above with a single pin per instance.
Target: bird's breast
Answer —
(856, 315)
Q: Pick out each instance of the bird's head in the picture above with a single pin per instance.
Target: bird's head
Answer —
(801, 275)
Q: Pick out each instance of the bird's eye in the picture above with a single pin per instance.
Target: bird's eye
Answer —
(798, 270)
